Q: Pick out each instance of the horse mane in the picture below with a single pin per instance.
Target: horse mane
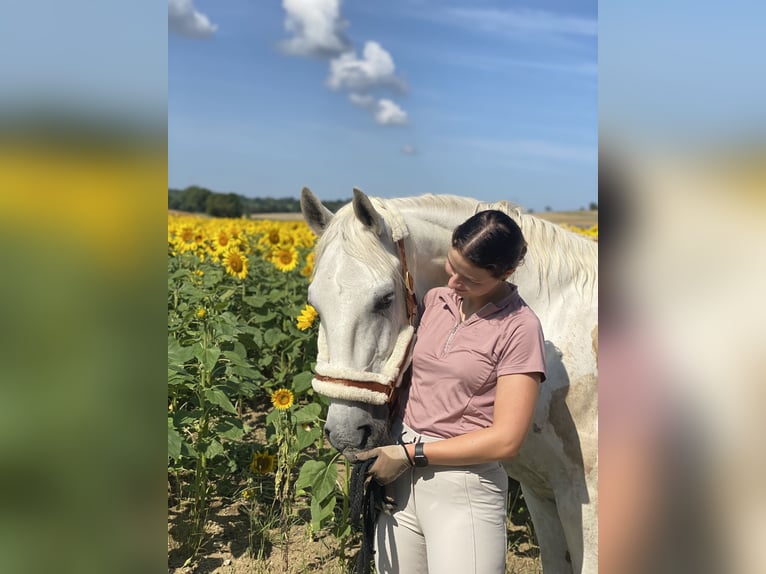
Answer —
(574, 259)
(454, 203)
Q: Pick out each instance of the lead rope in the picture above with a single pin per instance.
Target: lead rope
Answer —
(367, 496)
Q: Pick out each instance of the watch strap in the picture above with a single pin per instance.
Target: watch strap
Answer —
(421, 459)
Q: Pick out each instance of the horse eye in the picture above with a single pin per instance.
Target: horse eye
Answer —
(384, 302)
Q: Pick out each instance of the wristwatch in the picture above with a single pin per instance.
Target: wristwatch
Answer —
(421, 459)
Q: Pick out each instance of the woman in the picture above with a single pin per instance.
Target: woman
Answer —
(476, 368)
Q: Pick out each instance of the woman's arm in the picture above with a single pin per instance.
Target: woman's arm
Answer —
(515, 401)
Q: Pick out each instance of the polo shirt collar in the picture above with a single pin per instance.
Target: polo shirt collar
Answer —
(451, 299)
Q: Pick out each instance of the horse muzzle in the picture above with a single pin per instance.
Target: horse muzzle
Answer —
(365, 386)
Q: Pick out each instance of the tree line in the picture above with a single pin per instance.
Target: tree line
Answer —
(197, 199)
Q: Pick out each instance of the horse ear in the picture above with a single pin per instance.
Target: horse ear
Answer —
(317, 216)
(366, 213)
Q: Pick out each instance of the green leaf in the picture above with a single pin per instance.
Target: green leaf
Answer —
(235, 358)
(255, 301)
(226, 294)
(248, 372)
(209, 357)
(307, 437)
(310, 470)
(230, 428)
(273, 337)
(302, 382)
(180, 273)
(174, 441)
(321, 511)
(239, 349)
(276, 295)
(178, 355)
(265, 317)
(344, 533)
(218, 397)
(186, 418)
(319, 476)
(308, 414)
(273, 418)
(213, 449)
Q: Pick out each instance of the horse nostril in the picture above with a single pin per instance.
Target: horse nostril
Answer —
(366, 433)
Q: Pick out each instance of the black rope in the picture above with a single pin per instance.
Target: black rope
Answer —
(366, 499)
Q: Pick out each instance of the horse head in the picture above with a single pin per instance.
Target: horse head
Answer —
(365, 333)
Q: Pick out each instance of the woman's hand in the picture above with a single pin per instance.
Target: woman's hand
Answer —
(391, 462)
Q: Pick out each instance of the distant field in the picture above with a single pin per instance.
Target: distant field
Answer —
(578, 218)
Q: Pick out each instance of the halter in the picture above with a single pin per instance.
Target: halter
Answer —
(366, 386)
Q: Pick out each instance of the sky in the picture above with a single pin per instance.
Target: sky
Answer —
(491, 100)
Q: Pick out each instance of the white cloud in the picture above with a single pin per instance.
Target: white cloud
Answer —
(375, 68)
(388, 113)
(524, 20)
(362, 100)
(409, 150)
(317, 28)
(384, 111)
(184, 19)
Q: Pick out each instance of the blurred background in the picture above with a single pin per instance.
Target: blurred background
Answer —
(83, 170)
(682, 194)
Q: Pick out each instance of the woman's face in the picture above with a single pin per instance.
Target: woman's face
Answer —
(466, 279)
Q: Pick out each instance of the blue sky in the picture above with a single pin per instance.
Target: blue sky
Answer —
(492, 100)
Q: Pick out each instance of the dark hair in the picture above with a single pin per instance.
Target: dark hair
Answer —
(490, 240)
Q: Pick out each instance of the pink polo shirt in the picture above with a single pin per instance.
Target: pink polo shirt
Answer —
(455, 365)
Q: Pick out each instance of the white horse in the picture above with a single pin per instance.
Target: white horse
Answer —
(367, 255)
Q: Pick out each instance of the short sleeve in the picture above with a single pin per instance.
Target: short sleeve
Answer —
(524, 349)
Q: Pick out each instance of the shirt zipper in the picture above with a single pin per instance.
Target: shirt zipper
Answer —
(449, 338)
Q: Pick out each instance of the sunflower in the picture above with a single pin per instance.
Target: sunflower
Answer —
(282, 399)
(263, 463)
(186, 239)
(285, 259)
(235, 263)
(307, 317)
(273, 236)
(186, 234)
(221, 240)
(308, 269)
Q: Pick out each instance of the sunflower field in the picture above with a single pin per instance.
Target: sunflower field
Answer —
(242, 417)
(244, 425)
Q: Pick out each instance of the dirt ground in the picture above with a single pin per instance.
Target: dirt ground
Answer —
(226, 549)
